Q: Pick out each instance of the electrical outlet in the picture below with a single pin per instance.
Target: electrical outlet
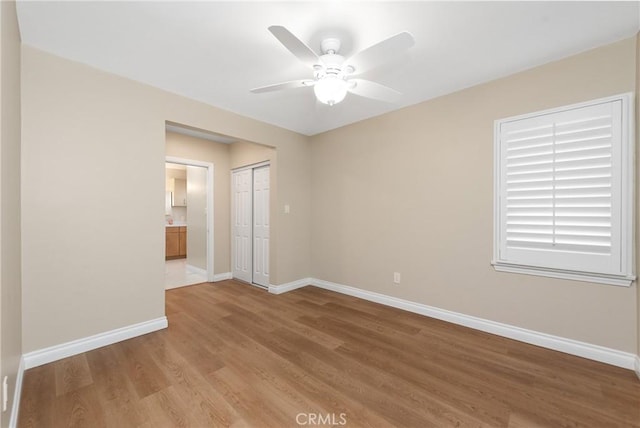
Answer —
(5, 393)
(396, 277)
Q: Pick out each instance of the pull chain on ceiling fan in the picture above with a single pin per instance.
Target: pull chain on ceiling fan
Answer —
(333, 76)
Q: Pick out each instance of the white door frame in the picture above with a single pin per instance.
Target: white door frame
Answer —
(210, 246)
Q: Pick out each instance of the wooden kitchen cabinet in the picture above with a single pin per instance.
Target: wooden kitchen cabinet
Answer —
(183, 241)
(176, 243)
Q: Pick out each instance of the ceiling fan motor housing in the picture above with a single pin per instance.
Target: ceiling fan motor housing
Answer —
(331, 45)
(332, 62)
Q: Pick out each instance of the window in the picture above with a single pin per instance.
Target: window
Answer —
(564, 192)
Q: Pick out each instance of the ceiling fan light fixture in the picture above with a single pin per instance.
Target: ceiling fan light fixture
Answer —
(330, 90)
(333, 75)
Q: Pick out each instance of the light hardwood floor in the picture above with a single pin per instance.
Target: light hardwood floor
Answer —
(234, 355)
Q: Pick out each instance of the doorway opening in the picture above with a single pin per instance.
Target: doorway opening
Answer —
(189, 240)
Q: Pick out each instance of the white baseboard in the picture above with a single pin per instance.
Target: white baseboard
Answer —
(222, 276)
(568, 346)
(17, 393)
(75, 347)
(637, 368)
(289, 286)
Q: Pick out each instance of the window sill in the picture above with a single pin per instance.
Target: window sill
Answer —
(618, 280)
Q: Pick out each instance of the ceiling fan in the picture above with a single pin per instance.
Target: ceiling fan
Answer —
(333, 75)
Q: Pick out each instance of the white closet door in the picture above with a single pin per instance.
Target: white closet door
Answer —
(242, 224)
(261, 226)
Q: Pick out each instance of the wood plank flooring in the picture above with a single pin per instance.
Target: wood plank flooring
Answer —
(234, 355)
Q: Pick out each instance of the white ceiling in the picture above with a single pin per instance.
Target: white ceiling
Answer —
(216, 51)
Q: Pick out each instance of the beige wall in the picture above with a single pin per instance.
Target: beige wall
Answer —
(244, 154)
(10, 252)
(95, 271)
(187, 147)
(412, 192)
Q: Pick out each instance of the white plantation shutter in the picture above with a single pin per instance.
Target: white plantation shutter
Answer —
(562, 184)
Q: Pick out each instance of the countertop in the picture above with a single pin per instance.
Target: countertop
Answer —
(176, 225)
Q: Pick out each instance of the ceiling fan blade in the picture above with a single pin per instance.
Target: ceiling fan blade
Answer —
(295, 45)
(372, 56)
(284, 85)
(369, 89)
